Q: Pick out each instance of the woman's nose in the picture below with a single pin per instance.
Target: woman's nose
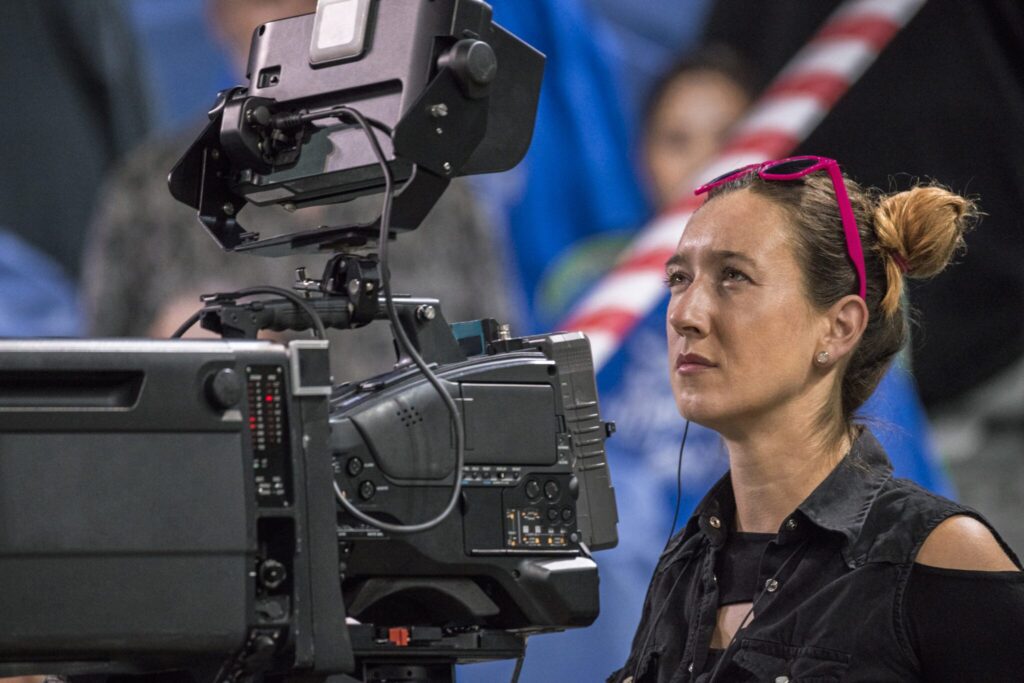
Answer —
(689, 312)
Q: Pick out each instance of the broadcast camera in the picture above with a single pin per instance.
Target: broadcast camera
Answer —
(217, 510)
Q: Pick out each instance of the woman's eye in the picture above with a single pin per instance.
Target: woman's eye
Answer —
(733, 275)
(675, 278)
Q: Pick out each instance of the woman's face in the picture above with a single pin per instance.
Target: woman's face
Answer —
(687, 128)
(741, 332)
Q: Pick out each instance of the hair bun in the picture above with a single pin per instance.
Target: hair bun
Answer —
(919, 231)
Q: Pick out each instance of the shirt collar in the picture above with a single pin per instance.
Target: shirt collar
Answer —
(839, 504)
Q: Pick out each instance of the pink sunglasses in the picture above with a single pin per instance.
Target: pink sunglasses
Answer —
(793, 168)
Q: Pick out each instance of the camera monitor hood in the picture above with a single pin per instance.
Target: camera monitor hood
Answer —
(453, 92)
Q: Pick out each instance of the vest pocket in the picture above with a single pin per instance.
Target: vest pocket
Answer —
(769, 661)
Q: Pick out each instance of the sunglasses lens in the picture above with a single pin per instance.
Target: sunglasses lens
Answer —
(720, 178)
(790, 167)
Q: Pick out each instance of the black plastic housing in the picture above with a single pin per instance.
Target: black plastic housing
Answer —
(536, 496)
(143, 487)
(457, 91)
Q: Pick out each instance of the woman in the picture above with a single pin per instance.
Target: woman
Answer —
(808, 560)
(687, 116)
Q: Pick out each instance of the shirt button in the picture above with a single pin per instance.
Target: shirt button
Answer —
(790, 524)
(715, 522)
(771, 585)
(782, 679)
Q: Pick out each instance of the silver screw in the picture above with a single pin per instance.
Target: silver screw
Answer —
(447, 167)
(439, 110)
(439, 130)
(426, 312)
(228, 208)
(215, 153)
(368, 286)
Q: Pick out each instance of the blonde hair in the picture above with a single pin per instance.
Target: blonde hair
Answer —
(919, 231)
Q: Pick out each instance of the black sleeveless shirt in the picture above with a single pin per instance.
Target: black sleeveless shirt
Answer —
(831, 601)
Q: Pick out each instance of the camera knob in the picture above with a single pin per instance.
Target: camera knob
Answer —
(224, 389)
(474, 64)
(272, 573)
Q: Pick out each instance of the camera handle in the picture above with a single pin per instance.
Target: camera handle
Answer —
(346, 297)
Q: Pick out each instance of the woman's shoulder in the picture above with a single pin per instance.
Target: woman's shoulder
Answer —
(964, 542)
(908, 523)
(955, 536)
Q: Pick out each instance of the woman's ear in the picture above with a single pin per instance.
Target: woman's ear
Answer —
(846, 321)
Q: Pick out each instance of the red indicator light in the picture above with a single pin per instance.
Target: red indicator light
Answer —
(270, 397)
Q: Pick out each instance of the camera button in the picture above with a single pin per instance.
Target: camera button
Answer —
(354, 466)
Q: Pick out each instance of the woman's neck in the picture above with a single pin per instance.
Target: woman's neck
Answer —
(774, 469)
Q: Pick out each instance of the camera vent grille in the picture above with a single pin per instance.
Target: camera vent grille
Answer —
(409, 416)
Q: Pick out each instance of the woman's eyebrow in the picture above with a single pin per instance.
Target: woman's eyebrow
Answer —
(737, 255)
(675, 259)
(678, 258)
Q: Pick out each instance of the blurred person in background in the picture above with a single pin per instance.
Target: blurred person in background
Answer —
(74, 101)
(687, 116)
(149, 258)
(36, 297)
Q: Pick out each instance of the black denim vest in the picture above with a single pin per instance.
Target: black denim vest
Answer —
(833, 582)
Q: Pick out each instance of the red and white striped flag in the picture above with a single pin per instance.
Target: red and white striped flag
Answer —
(789, 110)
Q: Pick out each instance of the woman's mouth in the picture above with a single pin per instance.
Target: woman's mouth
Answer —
(690, 363)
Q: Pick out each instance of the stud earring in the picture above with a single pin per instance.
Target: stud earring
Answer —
(822, 358)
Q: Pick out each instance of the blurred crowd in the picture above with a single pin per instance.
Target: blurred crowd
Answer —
(638, 98)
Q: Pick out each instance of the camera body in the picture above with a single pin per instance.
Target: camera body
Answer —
(171, 505)
(220, 510)
(536, 493)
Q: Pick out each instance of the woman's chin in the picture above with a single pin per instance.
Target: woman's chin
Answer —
(698, 412)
